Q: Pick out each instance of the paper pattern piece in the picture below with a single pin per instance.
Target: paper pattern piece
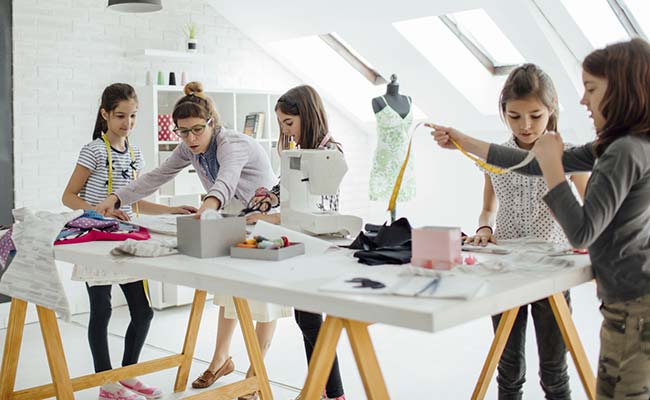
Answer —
(32, 275)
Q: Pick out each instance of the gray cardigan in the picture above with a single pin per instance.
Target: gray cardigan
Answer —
(614, 222)
(242, 166)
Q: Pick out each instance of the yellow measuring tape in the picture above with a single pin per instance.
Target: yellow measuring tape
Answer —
(488, 167)
(110, 167)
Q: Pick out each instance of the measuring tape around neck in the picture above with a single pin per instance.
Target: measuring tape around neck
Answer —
(110, 166)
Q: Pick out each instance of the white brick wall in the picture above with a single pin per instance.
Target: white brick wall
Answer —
(66, 52)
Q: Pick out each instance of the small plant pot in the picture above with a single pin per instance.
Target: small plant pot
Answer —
(192, 45)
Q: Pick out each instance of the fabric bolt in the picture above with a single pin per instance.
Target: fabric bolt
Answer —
(33, 275)
(392, 144)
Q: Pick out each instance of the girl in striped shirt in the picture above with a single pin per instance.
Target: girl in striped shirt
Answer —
(105, 164)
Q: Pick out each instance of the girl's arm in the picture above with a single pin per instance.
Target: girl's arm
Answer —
(147, 183)
(148, 207)
(77, 181)
(617, 171)
(71, 197)
(581, 158)
(488, 214)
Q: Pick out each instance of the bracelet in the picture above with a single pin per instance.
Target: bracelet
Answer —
(485, 226)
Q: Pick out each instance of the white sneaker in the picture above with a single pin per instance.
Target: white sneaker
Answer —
(141, 388)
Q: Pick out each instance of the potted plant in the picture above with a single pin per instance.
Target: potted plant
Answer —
(191, 30)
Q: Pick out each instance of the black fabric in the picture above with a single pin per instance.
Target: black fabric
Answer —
(100, 314)
(310, 324)
(384, 244)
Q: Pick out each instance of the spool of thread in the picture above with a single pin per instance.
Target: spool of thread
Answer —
(183, 78)
(172, 78)
(161, 78)
(292, 143)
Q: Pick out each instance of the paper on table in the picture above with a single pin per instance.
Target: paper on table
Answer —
(164, 224)
(397, 281)
(312, 245)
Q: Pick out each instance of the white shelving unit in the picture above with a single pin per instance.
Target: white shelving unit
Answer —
(232, 106)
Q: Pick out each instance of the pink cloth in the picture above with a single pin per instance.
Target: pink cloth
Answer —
(94, 235)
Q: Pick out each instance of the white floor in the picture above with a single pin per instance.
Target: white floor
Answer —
(416, 365)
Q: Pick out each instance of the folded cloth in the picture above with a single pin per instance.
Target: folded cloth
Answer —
(148, 248)
(384, 244)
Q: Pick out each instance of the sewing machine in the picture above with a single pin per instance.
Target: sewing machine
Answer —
(306, 176)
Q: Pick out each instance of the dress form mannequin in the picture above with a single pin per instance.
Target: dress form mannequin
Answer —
(398, 102)
(394, 117)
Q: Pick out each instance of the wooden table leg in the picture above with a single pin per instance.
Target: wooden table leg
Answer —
(191, 335)
(364, 354)
(55, 354)
(572, 340)
(253, 348)
(12, 348)
(322, 358)
(494, 355)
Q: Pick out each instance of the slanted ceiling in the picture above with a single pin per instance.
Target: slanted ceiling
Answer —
(367, 26)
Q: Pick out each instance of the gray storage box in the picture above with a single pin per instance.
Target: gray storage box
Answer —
(293, 250)
(205, 238)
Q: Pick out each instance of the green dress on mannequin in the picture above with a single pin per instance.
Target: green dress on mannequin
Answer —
(392, 144)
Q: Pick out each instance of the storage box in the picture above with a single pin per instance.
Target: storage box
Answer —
(204, 238)
(295, 249)
(436, 247)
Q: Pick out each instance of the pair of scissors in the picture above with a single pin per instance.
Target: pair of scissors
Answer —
(261, 202)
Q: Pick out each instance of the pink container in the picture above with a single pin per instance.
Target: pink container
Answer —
(436, 247)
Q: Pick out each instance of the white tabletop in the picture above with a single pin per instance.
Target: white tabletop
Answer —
(296, 282)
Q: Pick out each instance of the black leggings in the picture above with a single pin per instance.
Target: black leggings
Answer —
(310, 324)
(100, 314)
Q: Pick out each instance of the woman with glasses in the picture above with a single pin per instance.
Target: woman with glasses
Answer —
(231, 166)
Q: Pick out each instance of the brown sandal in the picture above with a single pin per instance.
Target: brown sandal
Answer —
(250, 396)
(208, 377)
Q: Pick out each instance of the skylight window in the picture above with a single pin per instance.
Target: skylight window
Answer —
(353, 58)
(319, 64)
(453, 59)
(481, 35)
(597, 20)
(323, 67)
(639, 14)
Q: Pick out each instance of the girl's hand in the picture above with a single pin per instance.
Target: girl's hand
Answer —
(183, 210)
(107, 206)
(263, 200)
(548, 149)
(482, 238)
(209, 203)
(443, 134)
(271, 218)
(119, 214)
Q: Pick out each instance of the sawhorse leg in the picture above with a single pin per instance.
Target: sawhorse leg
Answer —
(189, 345)
(569, 334)
(12, 348)
(325, 351)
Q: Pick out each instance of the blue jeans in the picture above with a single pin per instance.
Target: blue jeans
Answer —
(553, 374)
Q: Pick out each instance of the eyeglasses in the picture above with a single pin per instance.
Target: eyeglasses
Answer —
(196, 130)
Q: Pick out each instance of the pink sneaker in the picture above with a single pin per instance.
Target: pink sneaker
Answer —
(113, 391)
(137, 386)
